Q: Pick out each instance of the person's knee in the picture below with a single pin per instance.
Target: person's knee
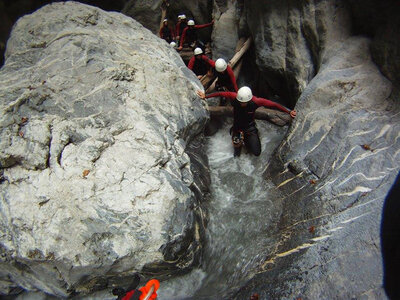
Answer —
(257, 152)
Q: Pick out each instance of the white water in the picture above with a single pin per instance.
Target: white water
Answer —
(240, 219)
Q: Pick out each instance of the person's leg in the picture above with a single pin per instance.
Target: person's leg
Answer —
(219, 88)
(252, 142)
(237, 141)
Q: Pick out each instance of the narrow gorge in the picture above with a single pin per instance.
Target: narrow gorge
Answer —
(108, 167)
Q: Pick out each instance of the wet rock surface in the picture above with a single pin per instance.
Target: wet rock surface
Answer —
(334, 169)
(335, 61)
(96, 182)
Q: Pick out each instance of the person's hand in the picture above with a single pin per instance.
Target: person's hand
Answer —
(201, 94)
(199, 76)
(209, 73)
(180, 48)
(293, 113)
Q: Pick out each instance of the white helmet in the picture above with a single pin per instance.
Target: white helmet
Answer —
(173, 44)
(198, 51)
(165, 20)
(190, 22)
(220, 65)
(244, 94)
(179, 17)
(183, 16)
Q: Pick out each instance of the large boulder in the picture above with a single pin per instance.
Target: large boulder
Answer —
(334, 168)
(96, 177)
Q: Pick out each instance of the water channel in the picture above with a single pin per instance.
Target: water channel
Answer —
(241, 215)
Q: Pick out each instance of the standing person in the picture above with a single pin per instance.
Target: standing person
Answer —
(166, 32)
(180, 26)
(189, 35)
(199, 63)
(244, 130)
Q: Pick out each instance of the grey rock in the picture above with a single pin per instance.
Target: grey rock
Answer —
(290, 37)
(334, 169)
(379, 20)
(96, 117)
(226, 31)
(147, 13)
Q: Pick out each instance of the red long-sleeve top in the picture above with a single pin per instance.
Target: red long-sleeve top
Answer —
(243, 116)
(196, 27)
(259, 101)
(179, 29)
(222, 80)
(203, 57)
(171, 31)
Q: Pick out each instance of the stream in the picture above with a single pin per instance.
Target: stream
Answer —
(240, 219)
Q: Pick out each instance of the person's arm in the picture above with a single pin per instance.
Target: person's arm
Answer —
(161, 33)
(209, 61)
(232, 77)
(183, 37)
(191, 63)
(227, 95)
(204, 25)
(272, 104)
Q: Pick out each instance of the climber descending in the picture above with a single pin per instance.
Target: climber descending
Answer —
(166, 32)
(199, 63)
(244, 130)
(189, 34)
(226, 80)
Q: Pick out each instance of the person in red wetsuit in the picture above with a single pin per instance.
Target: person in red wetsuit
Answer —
(199, 63)
(226, 80)
(166, 32)
(189, 34)
(180, 26)
(244, 130)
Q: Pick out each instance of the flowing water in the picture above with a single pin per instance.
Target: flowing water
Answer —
(241, 215)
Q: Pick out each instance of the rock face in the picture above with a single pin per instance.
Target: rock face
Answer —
(147, 13)
(96, 181)
(226, 30)
(337, 162)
